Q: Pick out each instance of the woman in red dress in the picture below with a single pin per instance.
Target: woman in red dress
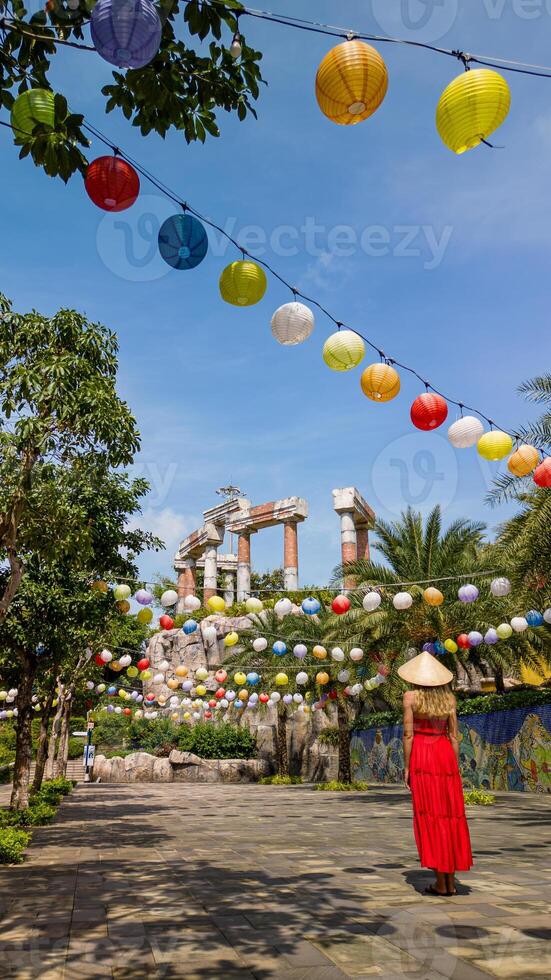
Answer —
(431, 759)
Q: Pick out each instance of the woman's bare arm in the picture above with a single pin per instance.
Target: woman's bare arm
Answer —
(408, 732)
(453, 731)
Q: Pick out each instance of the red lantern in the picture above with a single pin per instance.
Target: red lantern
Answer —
(333, 695)
(382, 670)
(112, 183)
(127, 711)
(463, 641)
(264, 698)
(340, 605)
(542, 473)
(220, 694)
(99, 661)
(166, 623)
(429, 411)
(142, 664)
(150, 697)
(220, 676)
(208, 714)
(212, 703)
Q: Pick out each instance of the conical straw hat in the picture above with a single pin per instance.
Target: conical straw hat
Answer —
(426, 671)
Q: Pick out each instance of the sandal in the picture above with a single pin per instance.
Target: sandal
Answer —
(431, 890)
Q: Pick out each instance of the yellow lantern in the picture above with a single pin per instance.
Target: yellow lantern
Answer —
(122, 693)
(322, 678)
(216, 603)
(201, 690)
(433, 597)
(181, 671)
(524, 460)
(471, 108)
(351, 82)
(231, 639)
(451, 646)
(343, 350)
(240, 678)
(173, 684)
(115, 665)
(319, 652)
(174, 716)
(495, 444)
(281, 680)
(144, 616)
(380, 382)
(187, 715)
(243, 283)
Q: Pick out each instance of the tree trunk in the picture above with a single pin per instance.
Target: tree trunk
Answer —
(498, 677)
(23, 746)
(42, 748)
(63, 748)
(52, 743)
(282, 753)
(345, 768)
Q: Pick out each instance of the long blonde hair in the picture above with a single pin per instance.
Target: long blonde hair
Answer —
(434, 702)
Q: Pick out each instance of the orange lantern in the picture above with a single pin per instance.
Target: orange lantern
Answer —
(523, 461)
(322, 678)
(433, 597)
(319, 652)
(380, 382)
(351, 82)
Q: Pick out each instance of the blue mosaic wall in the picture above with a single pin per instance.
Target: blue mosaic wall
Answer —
(503, 750)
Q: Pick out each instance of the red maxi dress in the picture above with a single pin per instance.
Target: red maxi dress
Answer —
(439, 822)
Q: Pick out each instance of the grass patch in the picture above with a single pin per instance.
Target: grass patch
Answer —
(477, 797)
(281, 780)
(335, 787)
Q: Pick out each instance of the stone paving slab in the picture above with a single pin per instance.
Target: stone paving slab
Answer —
(255, 882)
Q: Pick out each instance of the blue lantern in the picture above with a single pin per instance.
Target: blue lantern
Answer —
(439, 648)
(189, 627)
(40, 649)
(311, 606)
(127, 33)
(183, 241)
(253, 678)
(238, 704)
(111, 691)
(534, 618)
(279, 648)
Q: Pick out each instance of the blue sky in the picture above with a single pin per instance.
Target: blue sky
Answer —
(217, 399)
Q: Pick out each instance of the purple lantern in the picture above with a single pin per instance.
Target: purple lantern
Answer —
(428, 648)
(127, 33)
(143, 597)
(475, 638)
(491, 637)
(468, 593)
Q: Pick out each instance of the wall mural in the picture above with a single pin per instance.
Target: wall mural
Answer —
(502, 750)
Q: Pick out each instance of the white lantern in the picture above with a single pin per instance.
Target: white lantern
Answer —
(380, 679)
(209, 634)
(139, 713)
(300, 651)
(292, 324)
(254, 605)
(253, 698)
(356, 689)
(90, 685)
(371, 601)
(275, 696)
(337, 654)
(500, 587)
(236, 48)
(547, 616)
(465, 432)
(164, 665)
(126, 660)
(106, 656)
(343, 676)
(158, 678)
(118, 710)
(302, 678)
(356, 655)
(287, 699)
(224, 703)
(260, 644)
(169, 598)
(519, 624)
(100, 688)
(192, 603)
(283, 607)
(298, 698)
(230, 695)
(402, 600)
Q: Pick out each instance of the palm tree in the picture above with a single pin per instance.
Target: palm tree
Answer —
(538, 434)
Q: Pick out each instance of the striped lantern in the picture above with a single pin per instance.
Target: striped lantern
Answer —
(433, 597)
(243, 283)
(31, 109)
(111, 183)
(380, 382)
(471, 108)
(292, 324)
(126, 33)
(351, 82)
(183, 241)
(495, 444)
(542, 474)
(343, 350)
(465, 432)
(429, 411)
(524, 460)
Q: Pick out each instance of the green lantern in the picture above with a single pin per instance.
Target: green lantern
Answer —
(243, 283)
(29, 109)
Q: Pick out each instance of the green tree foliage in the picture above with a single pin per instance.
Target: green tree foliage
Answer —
(182, 88)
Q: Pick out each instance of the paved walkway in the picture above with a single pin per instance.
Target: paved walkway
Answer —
(223, 882)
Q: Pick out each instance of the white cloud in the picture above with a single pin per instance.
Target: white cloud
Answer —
(168, 525)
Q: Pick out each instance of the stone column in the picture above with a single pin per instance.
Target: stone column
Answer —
(290, 556)
(187, 584)
(229, 591)
(211, 571)
(362, 537)
(349, 544)
(243, 566)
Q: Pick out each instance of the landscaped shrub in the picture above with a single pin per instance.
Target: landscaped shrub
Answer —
(336, 787)
(281, 780)
(329, 736)
(35, 815)
(217, 741)
(12, 845)
(150, 735)
(76, 748)
(60, 785)
(47, 794)
(111, 729)
(477, 797)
